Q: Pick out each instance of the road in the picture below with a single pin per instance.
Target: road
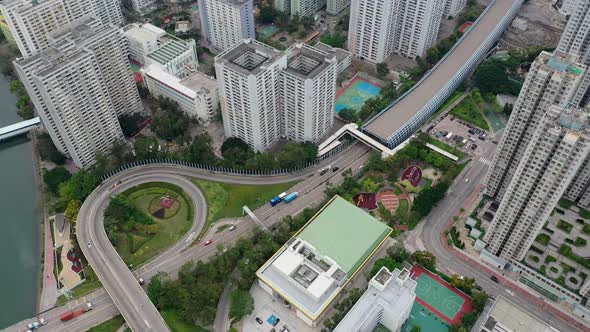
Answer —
(311, 190)
(428, 235)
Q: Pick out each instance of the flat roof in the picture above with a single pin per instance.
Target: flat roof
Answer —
(505, 314)
(395, 116)
(313, 267)
(249, 57)
(345, 233)
(171, 48)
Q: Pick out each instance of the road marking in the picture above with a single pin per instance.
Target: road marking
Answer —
(485, 161)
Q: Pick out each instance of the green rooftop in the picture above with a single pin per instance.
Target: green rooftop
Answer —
(345, 233)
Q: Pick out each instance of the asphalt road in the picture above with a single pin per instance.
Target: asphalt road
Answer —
(429, 233)
(311, 193)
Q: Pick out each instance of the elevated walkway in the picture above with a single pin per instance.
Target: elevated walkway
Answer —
(18, 128)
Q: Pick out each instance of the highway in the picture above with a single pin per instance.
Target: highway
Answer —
(120, 282)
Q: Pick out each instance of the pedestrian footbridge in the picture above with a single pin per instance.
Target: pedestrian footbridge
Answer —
(18, 128)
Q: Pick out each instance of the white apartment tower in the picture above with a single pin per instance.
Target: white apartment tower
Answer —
(555, 152)
(453, 7)
(552, 80)
(306, 8)
(79, 84)
(334, 7)
(379, 28)
(225, 23)
(284, 6)
(576, 40)
(308, 86)
(31, 22)
(144, 6)
(249, 92)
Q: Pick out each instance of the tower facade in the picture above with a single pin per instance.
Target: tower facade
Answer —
(225, 23)
(553, 156)
(552, 80)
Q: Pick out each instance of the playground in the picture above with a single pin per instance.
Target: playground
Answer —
(439, 297)
(355, 94)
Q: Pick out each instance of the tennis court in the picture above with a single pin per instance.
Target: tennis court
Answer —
(438, 296)
(354, 95)
(426, 319)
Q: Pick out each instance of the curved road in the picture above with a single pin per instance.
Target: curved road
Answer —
(119, 282)
(127, 296)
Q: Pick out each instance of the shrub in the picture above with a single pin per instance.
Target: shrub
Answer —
(553, 269)
(543, 238)
(534, 258)
(564, 226)
(566, 204)
(573, 280)
(580, 242)
(550, 259)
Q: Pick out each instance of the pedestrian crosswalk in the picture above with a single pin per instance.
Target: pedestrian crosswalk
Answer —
(485, 161)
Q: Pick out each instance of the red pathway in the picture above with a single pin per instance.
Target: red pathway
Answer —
(417, 271)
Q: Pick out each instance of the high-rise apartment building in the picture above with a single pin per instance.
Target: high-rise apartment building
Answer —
(284, 6)
(552, 80)
(334, 7)
(249, 75)
(453, 7)
(576, 40)
(308, 86)
(79, 84)
(306, 8)
(144, 6)
(225, 23)
(31, 22)
(379, 28)
(555, 152)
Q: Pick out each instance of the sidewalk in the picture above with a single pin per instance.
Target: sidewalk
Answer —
(49, 292)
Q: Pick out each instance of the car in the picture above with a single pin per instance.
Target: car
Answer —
(324, 171)
(258, 320)
(232, 227)
(89, 245)
(494, 279)
(141, 281)
(284, 328)
(208, 242)
(335, 169)
(276, 321)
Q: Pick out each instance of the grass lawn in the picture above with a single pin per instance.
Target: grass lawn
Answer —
(176, 324)
(446, 147)
(453, 98)
(90, 284)
(397, 190)
(403, 208)
(468, 111)
(138, 247)
(226, 200)
(110, 325)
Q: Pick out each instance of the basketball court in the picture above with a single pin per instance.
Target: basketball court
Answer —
(440, 297)
(354, 95)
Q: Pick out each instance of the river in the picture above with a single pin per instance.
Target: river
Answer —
(19, 221)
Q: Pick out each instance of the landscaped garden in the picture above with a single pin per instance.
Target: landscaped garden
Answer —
(468, 111)
(145, 220)
(564, 226)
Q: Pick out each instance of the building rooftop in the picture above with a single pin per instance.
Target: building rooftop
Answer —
(393, 291)
(339, 53)
(305, 61)
(249, 57)
(143, 31)
(316, 263)
(188, 86)
(385, 124)
(507, 316)
(170, 49)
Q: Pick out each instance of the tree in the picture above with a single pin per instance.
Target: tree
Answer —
(48, 151)
(508, 108)
(334, 40)
(425, 259)
(369, 186)
(348, 115)
(478, 301)
(146, 147)
(130, 123)
(291, 156)
(53, 178)
(382, 70)
(267, 14)
(72, 210)
(241, 304)
(416, 328)
(200, 150)
(171, 123)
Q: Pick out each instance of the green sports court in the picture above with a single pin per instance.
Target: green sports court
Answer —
(426, 319)
(438, 296)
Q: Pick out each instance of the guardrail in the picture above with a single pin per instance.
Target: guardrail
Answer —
(221, 169)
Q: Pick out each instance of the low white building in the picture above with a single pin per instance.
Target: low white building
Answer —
(197, 95)
(149, 45)
(506, 316)
(388, 301)
(182, 26)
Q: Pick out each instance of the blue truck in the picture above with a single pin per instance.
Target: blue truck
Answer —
(291, 197)
(277, 199)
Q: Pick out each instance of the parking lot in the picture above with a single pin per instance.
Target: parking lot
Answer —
(267, 309)
(461, 135)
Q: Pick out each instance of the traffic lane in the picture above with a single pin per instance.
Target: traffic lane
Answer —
(341, 160)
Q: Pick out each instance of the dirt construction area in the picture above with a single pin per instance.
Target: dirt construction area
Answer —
(538, 23)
